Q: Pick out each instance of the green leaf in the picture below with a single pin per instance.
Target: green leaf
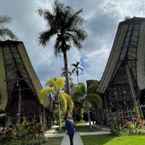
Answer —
(44, 96)
(94, 99)
(57, 83)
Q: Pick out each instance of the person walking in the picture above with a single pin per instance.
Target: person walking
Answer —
(70, 127)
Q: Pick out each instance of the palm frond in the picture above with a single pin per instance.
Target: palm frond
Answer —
(4, 19)
(66, 101)
(81, 34)
(73, 70)
(94, 99)
(57, 83)
(48, 16)
(77, 63)
(75, 40)
(43, 96)
(77, 36)
(79, 90)
(73, 19)
(80, 68)
(63, 101)
(5, 32)
(45, 36)
(73, 64)
(59, 15)
(60, 82)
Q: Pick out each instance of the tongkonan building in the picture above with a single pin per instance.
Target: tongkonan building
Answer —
(19, 84)
(123, 81)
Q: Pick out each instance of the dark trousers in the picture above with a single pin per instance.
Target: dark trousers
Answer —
(71, 139)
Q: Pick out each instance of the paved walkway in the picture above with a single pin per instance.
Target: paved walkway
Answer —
(48, 134)
(77, 140)
(53, 133)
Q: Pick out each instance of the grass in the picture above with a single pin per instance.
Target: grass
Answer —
(104, 140)
(96, 140)
(111, 140)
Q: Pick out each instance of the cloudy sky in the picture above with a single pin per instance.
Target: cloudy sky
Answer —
(101, 20)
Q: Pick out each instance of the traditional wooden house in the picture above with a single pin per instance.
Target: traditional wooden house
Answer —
(123, 81)
(19, 85)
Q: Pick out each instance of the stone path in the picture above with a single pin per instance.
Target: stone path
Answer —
(77, 140)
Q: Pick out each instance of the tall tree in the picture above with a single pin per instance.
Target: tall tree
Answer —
(6, 33)
(77, 69)
(65, 24)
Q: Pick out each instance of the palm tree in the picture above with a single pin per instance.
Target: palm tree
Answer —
(77, 69)
(65, 24)
(54, 87)
(6, 33)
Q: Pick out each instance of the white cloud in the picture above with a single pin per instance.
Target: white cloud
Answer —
(125, 8)
(102, 17)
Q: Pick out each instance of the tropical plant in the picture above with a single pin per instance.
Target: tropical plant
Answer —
(55, 88)
(6, 33)
(25, 133)
(87, 107)
(65, 24)
(77, 69)
(79, 92)
(92, 86)
(92, 95)
(93, 99)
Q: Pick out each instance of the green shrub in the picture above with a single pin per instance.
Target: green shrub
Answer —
(136, 126)
(25, 133)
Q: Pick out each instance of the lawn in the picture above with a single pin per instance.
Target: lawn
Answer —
(111, 140)
(104, 140)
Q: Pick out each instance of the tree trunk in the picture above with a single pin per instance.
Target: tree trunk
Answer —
(89, 119)
(59, 113)
(40, 116)
(77, 77)
(66, 70)
(44, 119)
